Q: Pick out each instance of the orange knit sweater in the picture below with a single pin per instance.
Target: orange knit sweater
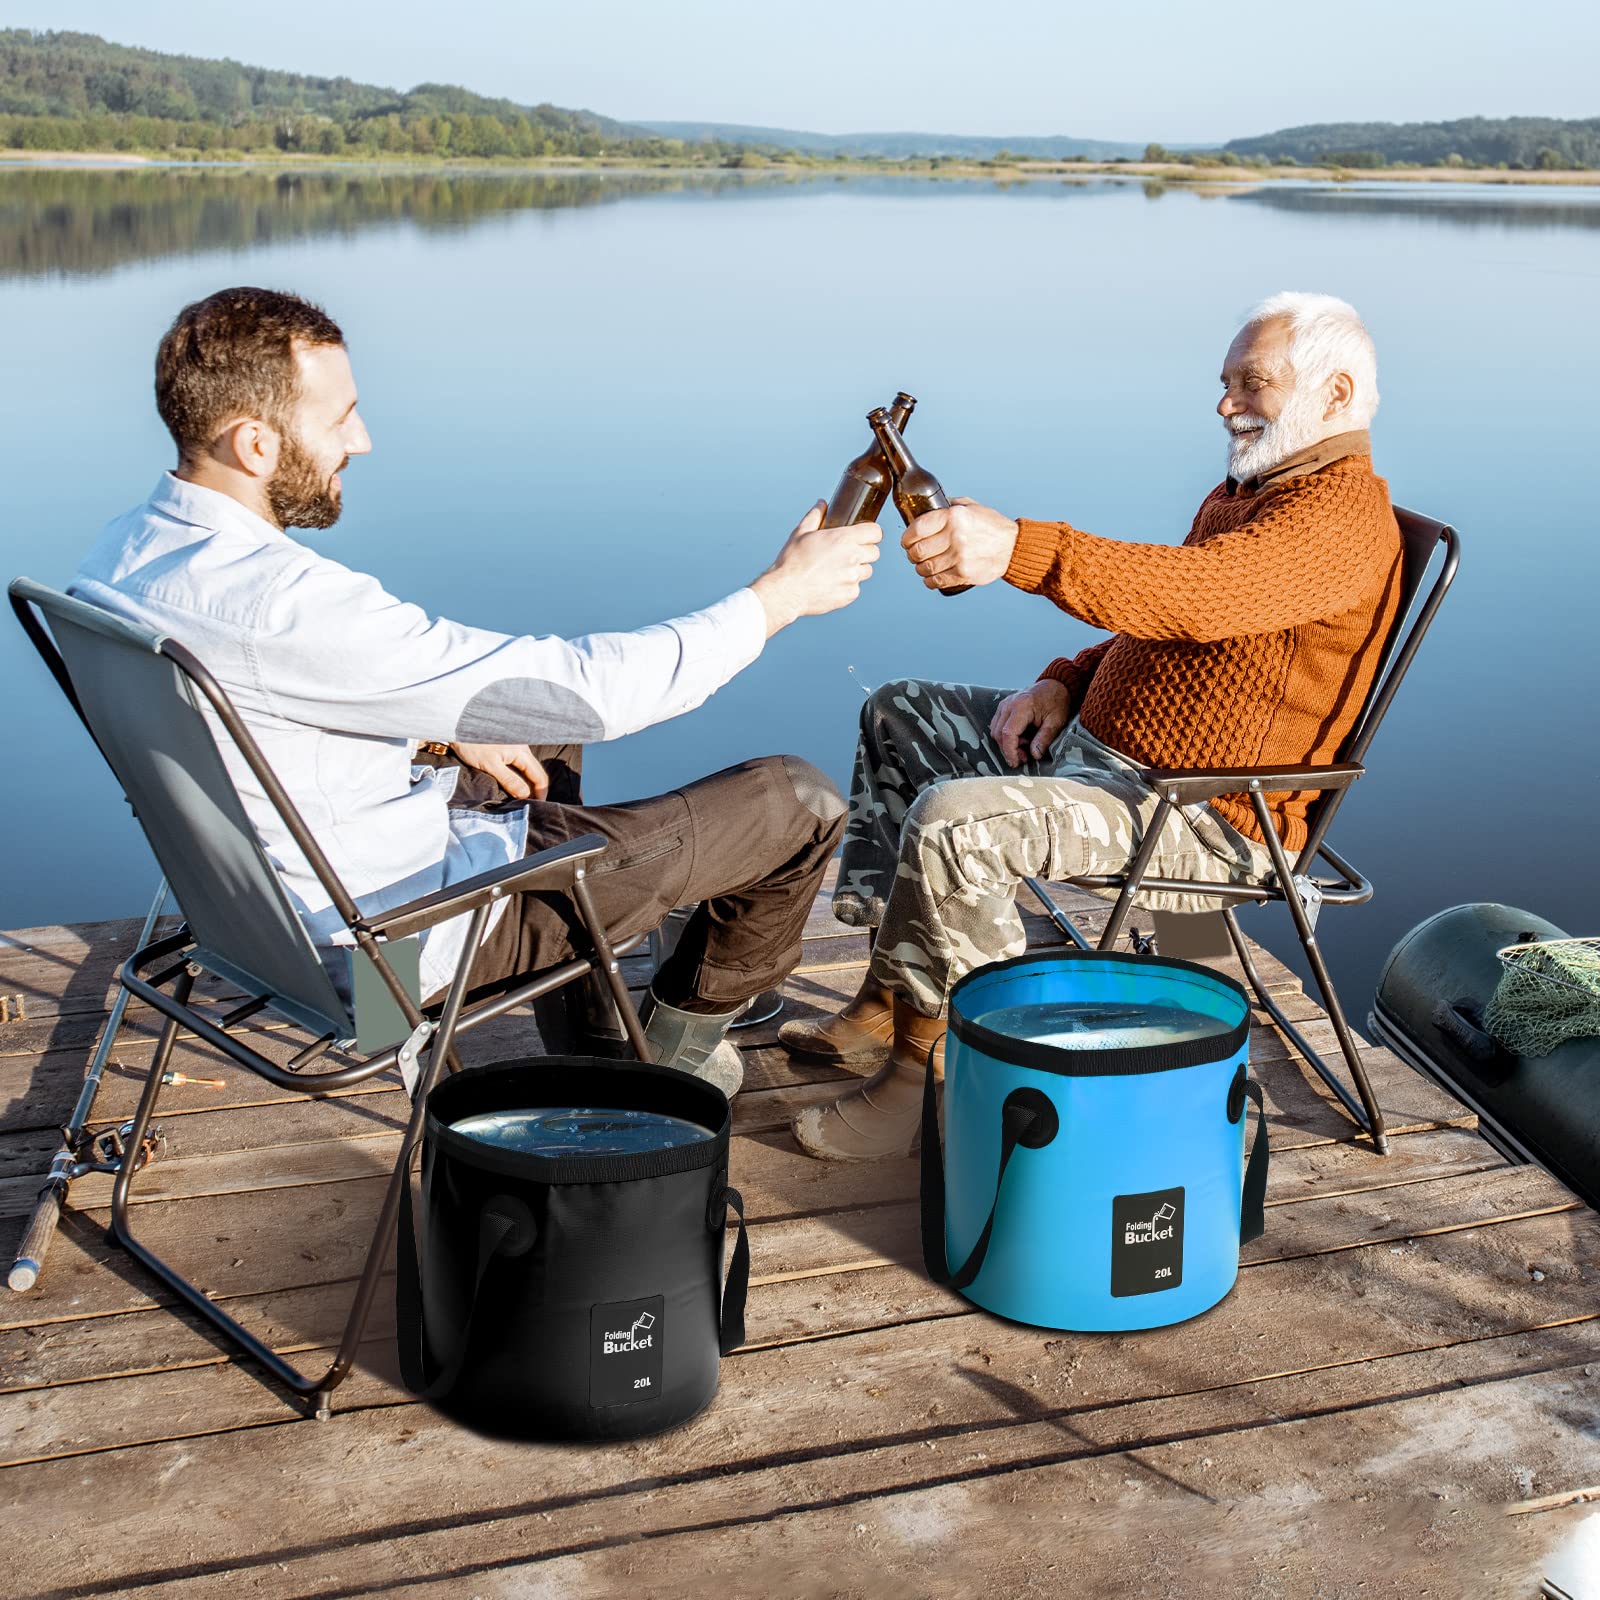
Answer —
(1252, 643)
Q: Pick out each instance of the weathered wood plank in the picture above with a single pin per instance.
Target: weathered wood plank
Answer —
(42, 1089)
(804, 1252)
(816, 1426)
(1225, 1510)
(60, 970)
(259, 1116)
(65, 975)
(42, 1059)
(1438, 1289)
(1299, 1110)
(48, 1086)
(239, 1244)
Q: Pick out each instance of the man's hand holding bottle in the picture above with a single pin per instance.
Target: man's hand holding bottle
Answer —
(818, 570)
(962, 545)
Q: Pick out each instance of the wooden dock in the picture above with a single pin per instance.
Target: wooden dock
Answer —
(1400, 1397)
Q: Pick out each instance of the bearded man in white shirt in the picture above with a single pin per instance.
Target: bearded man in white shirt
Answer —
(340, 683)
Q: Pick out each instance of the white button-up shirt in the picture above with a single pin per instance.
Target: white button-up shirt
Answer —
(338, 680)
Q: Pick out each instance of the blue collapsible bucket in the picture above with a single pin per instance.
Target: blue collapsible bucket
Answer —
(1098, 1188)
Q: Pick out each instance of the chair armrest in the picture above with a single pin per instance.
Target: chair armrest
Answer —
(1185, 786)
(555, 868)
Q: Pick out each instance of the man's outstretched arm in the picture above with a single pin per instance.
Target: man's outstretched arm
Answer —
(1272, 573)
(335, 650)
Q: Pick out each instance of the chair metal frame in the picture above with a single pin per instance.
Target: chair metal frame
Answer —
(1307, 893)
(163, 974)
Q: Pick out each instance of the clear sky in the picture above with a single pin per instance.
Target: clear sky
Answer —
(1170, 70)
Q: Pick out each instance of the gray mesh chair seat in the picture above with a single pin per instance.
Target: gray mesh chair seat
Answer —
(157, 715)
(1304, 885)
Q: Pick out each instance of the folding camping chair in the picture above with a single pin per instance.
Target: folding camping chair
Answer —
(1295, 885)
(141, 697)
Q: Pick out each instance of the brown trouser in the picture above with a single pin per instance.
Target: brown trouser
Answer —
(749, 844)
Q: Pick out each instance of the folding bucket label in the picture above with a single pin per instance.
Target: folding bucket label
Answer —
(1146, 1242)
(625, 1343)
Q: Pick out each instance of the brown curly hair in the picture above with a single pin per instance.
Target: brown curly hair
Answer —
(232, 355)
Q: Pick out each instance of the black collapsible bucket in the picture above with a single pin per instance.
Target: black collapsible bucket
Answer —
(570, 1297)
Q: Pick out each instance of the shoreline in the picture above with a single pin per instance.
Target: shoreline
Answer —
(1219, 175)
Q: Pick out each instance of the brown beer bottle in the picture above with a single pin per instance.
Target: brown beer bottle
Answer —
(915, 488)
(864, 486)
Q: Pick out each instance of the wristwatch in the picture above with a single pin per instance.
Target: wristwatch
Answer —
(432, 747)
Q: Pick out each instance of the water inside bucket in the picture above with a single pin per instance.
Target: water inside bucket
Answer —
(580, 1131)
(1100, 1024)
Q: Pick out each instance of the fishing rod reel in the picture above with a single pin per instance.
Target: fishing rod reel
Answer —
(108, 1152)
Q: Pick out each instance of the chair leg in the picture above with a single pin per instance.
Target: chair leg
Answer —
(1371, 1118)
(1136, 871)
(441, 1056)
(441, 1053)
(606, 960)
(1347, 1044)
(319, 1389)
(396, 1195)
(1365, 1113)
(122, 1228)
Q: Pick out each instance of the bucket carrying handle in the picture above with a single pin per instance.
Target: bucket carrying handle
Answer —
(737, 1287)
(1028, 1118)
(1253, 1198)
(505, 1228)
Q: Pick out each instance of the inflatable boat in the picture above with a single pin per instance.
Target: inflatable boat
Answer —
(1429, 1010)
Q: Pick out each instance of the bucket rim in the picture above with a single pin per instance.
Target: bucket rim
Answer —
(1121, 1062)
(694, 1096)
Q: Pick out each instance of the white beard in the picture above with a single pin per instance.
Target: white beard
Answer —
(1299, 424)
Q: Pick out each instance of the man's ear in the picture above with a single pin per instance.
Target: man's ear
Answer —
(248, 445)
(1341, 391)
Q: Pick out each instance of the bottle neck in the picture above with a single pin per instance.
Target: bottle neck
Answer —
(892, 445)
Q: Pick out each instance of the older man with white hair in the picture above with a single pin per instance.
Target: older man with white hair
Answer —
(1253, 642)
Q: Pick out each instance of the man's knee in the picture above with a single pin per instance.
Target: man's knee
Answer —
(792, 801)
(888, 702)
(814, 790)
(941, 806)
(980, 835)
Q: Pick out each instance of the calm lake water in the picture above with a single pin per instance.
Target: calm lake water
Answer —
(598, 401)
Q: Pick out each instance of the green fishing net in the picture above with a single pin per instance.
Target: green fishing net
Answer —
(1549, 992)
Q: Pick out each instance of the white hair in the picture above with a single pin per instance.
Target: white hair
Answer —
(1327, 335)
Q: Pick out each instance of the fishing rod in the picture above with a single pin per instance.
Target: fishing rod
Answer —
(69, 1162)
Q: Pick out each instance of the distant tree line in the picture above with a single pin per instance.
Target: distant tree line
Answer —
(1521, 144)
(76, 91)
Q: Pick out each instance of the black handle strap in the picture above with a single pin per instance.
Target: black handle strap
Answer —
(933, 1252)
(1253, 1200)
(737, 1287)
(503, 1223)
(1461, 1022)
(1027, 1118)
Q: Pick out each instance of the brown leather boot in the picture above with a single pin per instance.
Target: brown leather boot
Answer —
(856, 1038)
(883, 1116)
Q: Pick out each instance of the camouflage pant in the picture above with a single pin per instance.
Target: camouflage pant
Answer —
(942, 829)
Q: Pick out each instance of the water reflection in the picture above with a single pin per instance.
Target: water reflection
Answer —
(1574, 207)
(64, 221)
(76, 222)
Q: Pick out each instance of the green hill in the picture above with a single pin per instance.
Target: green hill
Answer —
(1523, 143)
(76, 91)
